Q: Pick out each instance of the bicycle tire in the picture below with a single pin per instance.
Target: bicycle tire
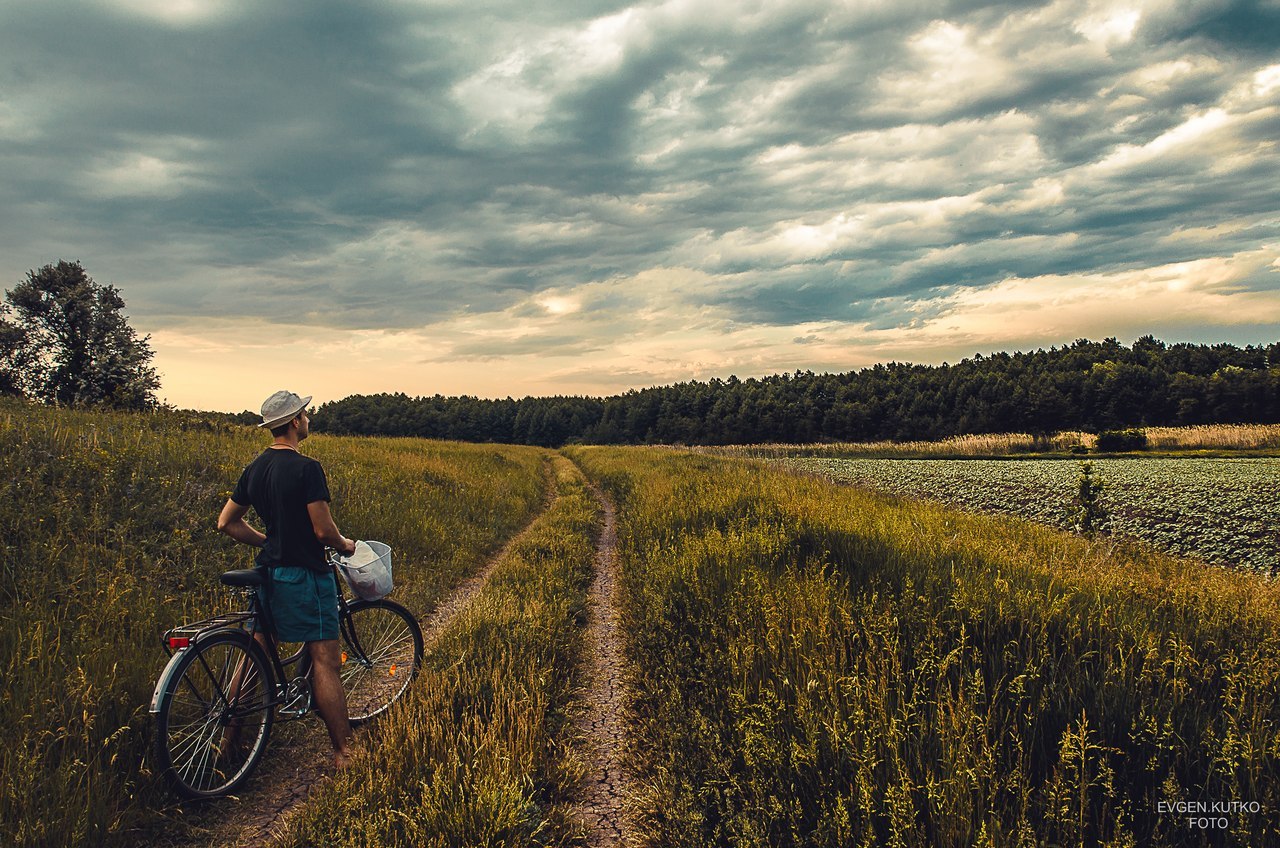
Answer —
(381, 655)
(196, 748)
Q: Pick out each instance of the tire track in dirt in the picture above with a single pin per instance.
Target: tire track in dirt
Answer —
(604, 806)
(298, 758)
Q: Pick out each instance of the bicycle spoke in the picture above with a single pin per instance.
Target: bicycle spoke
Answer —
(215, 717)
(189, 749)
(382, 648)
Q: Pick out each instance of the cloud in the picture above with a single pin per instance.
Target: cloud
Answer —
(700, 185)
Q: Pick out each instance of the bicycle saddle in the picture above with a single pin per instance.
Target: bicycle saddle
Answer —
(246, 577)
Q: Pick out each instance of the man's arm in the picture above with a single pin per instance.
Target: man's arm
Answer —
(232, 522)
(326, 530)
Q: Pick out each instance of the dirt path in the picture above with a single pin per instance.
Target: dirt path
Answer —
(604, 806)
(298, 757)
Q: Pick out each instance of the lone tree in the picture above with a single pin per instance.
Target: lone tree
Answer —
(70, 343)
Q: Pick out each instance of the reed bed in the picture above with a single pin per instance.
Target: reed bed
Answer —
(1208, 437)
(478, 753)
(955, 447)
(107, 535)
(824, 666)
(1212, 437)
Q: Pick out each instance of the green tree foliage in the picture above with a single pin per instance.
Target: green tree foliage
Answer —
(1092, 386)
(13, 354)
(1114, 441)
(71, 343)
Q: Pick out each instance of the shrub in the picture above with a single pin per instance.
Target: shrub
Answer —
(1087, 513)
(1115, 441)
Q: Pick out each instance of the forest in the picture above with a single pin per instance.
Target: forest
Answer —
(1087, 385)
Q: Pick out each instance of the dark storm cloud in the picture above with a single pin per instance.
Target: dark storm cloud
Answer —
(1251, 25)
(380, 164)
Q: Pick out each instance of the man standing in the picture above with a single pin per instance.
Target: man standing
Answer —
(291, 496)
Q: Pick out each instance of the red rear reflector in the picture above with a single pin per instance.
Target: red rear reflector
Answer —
(176, 642)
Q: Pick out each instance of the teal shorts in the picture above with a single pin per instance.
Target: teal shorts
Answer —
(304, 604)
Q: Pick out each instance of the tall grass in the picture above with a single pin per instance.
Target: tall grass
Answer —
(477, 754)
(826, 666)
(107, 537)
(1208, 437)
(954, 447)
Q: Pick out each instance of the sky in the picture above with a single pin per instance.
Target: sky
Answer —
(501, 199)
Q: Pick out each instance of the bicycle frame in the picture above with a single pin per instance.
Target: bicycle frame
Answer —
(226, 676)
(182, 637)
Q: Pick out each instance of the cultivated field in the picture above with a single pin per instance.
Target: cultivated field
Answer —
(1224, 511)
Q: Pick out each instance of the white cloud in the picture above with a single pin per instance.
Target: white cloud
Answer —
(1204, 292)
(176, 12)
(141, 175)
(515, 92)
(1109, 24)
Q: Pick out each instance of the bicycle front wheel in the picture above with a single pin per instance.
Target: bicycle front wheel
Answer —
(213, 714)
(381, 654)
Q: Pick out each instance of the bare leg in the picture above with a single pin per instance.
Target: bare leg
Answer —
(231, 733)
(330, 697)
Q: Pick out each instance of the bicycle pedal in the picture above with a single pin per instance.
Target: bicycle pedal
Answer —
(299, 703)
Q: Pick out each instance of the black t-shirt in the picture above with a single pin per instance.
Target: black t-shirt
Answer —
(278, 485)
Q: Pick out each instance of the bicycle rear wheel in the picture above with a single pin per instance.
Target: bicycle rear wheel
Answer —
(213, 714)
(381, 654)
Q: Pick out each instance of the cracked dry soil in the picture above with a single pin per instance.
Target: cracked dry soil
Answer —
(604, 804)
(299, 756)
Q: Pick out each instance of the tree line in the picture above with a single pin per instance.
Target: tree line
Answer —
(1086, 385)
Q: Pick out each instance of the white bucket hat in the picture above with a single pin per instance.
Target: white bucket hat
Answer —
(281, 408)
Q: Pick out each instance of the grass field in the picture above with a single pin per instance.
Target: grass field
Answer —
(811, 664)
(108, 538)
(479, 753)
(820, 665)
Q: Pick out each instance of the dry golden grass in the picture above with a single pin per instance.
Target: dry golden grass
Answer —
(107, 538)
(476, 754)
(823, 666)
(1215, 437)
(991, 444)
(1209, 437)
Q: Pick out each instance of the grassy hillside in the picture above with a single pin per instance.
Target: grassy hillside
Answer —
(107, 538)
(820, 665)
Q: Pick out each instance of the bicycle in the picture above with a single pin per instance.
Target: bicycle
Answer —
(217, 698)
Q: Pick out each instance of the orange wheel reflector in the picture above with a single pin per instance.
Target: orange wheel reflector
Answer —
(344, 656)
(392, 672)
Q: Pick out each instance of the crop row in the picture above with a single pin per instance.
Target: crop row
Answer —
(1224, 511)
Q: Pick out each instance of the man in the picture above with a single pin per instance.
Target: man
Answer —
(291, 496)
